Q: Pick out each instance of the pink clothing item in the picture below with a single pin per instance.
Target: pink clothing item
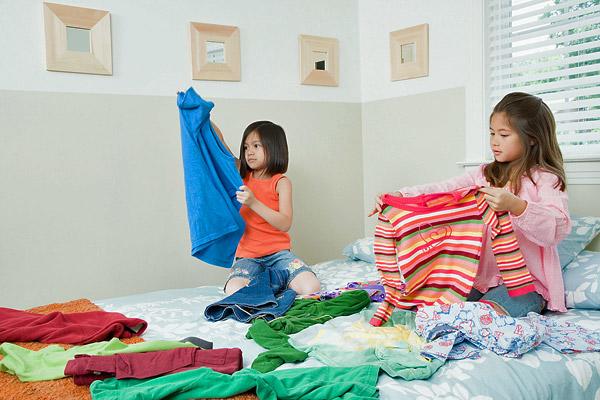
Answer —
(543, 224)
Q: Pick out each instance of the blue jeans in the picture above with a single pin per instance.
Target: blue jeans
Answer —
(265, 297)
(284, 260)
(514, 306)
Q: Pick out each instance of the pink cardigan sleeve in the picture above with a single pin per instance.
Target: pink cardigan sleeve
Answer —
(470, 178)
(546, 219)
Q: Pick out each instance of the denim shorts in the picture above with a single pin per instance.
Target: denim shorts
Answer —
(249, 268)
(516, 307)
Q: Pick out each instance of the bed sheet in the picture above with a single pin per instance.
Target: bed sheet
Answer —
(540, 374)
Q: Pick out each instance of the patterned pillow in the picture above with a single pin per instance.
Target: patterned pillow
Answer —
(582, 281)
(584, 230)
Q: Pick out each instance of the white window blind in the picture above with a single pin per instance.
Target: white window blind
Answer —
(549, 48)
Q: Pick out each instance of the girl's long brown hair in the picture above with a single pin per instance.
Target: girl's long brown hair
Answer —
(531, 118)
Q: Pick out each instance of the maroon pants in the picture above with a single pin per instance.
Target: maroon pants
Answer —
(85, 368)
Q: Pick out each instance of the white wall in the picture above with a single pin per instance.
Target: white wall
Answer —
(450, 28)
(405, 128)
(92, 202)
(416, 127)
(335, 133)
(455, 55)
(151, 47)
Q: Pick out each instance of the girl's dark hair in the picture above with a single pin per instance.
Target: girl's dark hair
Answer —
(531, 118)
(274, 144)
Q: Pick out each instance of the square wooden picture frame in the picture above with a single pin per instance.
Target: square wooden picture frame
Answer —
(77, 39)
(319, 60)
(409, 52)
(215, 52)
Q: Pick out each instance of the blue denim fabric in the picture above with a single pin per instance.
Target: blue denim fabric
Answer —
(284, 260)
(515, 306)
(266, 296)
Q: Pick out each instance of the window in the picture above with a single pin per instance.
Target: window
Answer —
(549, 48)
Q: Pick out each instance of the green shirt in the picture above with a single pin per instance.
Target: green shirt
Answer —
(307, 383)
(273, 335)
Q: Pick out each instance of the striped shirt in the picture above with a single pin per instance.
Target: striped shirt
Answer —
(427, 249)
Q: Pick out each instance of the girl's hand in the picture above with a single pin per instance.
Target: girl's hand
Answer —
(379, 202)
(503, 200)
(245, 196)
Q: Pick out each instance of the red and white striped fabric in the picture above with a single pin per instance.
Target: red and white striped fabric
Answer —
(427, 249)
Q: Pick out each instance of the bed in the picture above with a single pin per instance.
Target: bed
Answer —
(540, 374)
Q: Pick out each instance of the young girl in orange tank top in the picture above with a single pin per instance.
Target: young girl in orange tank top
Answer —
(266, 198)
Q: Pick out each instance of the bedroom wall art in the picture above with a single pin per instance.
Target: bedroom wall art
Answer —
(319, 60)
(215, 52)
(409, 52)
(77, 39)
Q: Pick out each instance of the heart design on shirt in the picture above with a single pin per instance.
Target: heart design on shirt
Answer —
(435, 235)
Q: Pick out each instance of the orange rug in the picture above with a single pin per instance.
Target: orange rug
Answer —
(11, 388)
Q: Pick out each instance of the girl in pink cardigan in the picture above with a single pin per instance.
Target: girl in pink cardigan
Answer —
(527, 179)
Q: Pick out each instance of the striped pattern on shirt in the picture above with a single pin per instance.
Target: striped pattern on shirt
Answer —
(427, 249)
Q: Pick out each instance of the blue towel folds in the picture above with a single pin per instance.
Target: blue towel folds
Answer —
(266, 296)
(211, 180)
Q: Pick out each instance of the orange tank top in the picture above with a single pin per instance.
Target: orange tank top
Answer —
(261, 238)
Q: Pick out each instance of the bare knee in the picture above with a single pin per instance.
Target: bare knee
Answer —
(305, 283)
(235, 284)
